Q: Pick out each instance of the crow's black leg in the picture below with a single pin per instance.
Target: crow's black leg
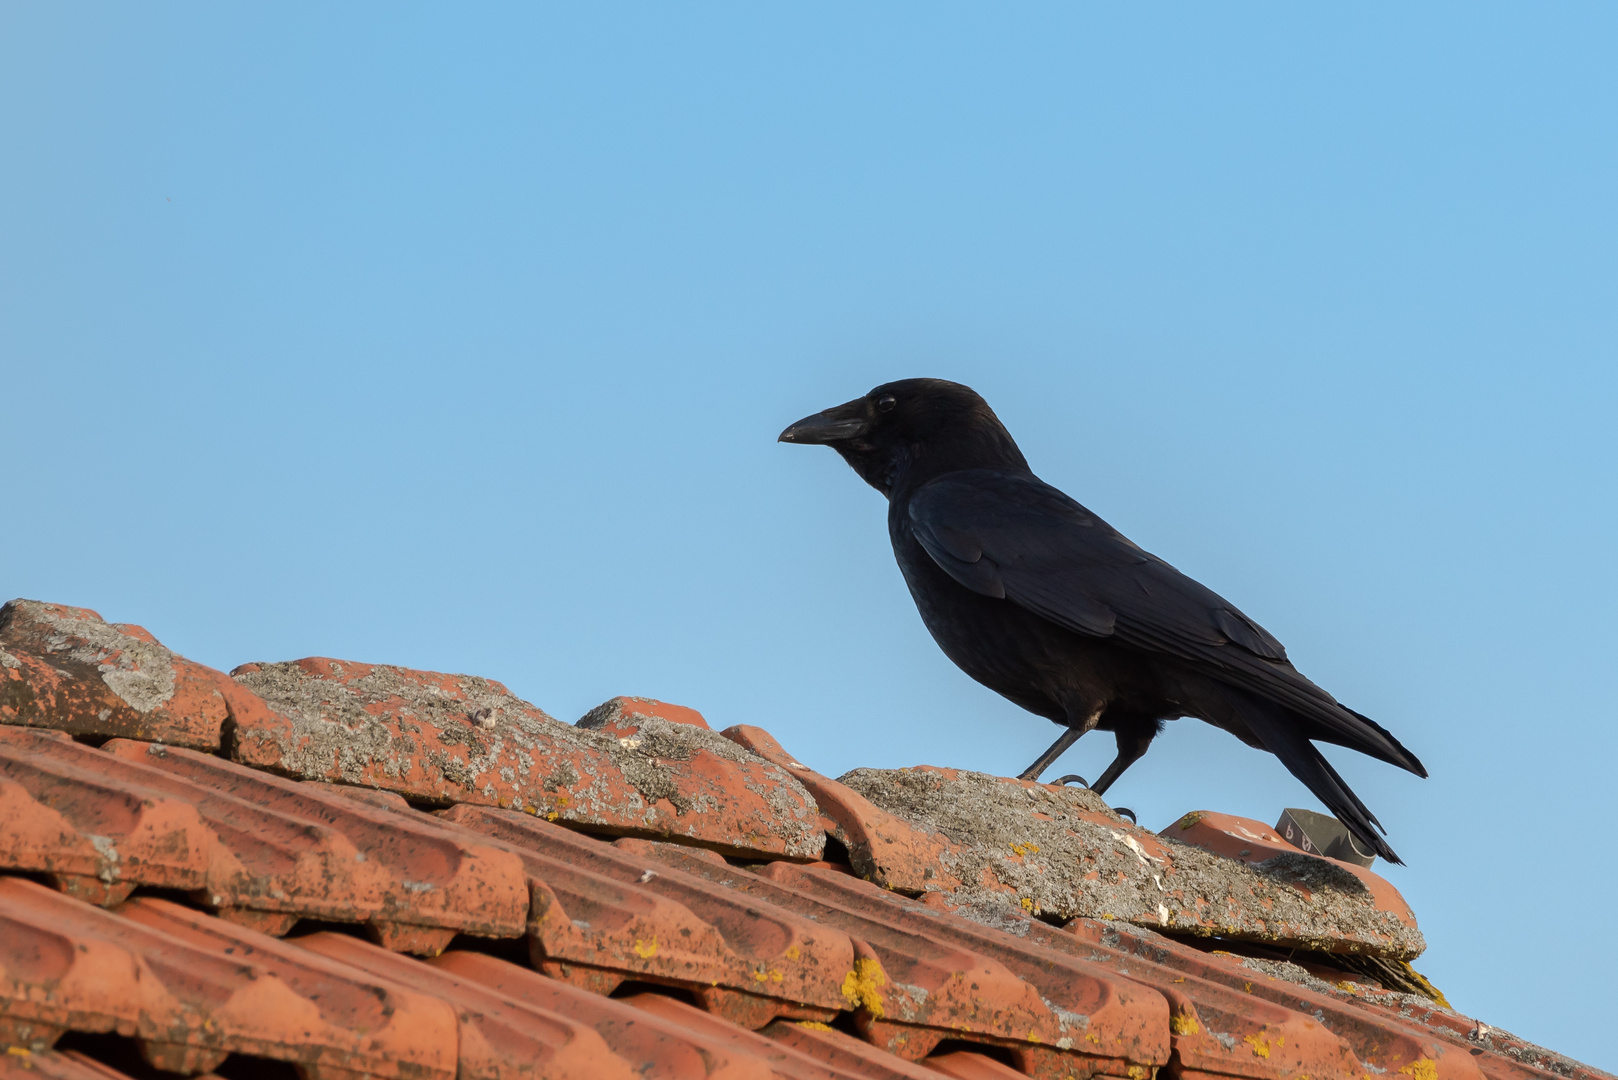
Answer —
(1132, 744)
(1068, 737)
(1059, 747)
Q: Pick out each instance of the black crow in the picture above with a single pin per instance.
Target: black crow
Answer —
(1043, 602)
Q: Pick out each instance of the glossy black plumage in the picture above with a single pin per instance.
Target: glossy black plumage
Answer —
(1043, 602)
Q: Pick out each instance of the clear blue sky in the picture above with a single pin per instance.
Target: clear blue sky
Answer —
(461, 340)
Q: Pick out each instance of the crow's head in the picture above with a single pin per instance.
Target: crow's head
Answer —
(905, 433)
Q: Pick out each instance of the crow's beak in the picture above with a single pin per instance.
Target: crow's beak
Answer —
(832, 425)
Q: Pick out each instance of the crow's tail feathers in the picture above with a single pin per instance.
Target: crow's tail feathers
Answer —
(1402, 758)
(1280, 734)
(1333, 722)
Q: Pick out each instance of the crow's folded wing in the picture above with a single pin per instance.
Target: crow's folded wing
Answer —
(1012, 536)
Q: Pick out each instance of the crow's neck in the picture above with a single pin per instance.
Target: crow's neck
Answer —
(897, 471)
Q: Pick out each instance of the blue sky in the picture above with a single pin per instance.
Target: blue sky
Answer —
(461, 341)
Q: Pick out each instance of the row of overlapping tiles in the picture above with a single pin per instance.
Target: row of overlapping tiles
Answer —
(779, 950)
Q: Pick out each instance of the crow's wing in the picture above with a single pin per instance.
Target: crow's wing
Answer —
(1016, 537)
(1012, 536)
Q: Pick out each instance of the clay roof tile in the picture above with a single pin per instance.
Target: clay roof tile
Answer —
(446, 739)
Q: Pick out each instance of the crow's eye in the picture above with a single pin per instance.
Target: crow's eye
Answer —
(886, 402)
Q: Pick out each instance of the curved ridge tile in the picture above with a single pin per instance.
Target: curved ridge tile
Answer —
(443, 739)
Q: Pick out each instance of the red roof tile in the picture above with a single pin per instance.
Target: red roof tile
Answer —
(67, 668)
(934, 965)
(499, 1036)
(1393, 1048)
(912, 988)
(192, 989)
(669, 1047)
(256, 848)
(601, 915)
(22, 1064)
(783, 1059)
(64, 812)
(1062, 852)
(843, 1052)
(1253, 842)
(967, 1066)
(413, 882)
(881, 847)
(445, 739)
(621, 716)
(25, 1064)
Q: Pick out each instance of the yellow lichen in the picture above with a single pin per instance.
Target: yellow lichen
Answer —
(814, 1025)
(792, 952)
(1138, 1072)
(1426, 987)
(1027, 904)
(645, 949)
(862, 986)
(1183, 1025)
(1260, 1045)
(1190, 819)
(1421, 1069)
(1029, 848)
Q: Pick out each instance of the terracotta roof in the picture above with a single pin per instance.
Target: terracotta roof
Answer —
(362, 870)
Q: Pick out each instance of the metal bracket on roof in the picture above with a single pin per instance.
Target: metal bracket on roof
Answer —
(1321, 834)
